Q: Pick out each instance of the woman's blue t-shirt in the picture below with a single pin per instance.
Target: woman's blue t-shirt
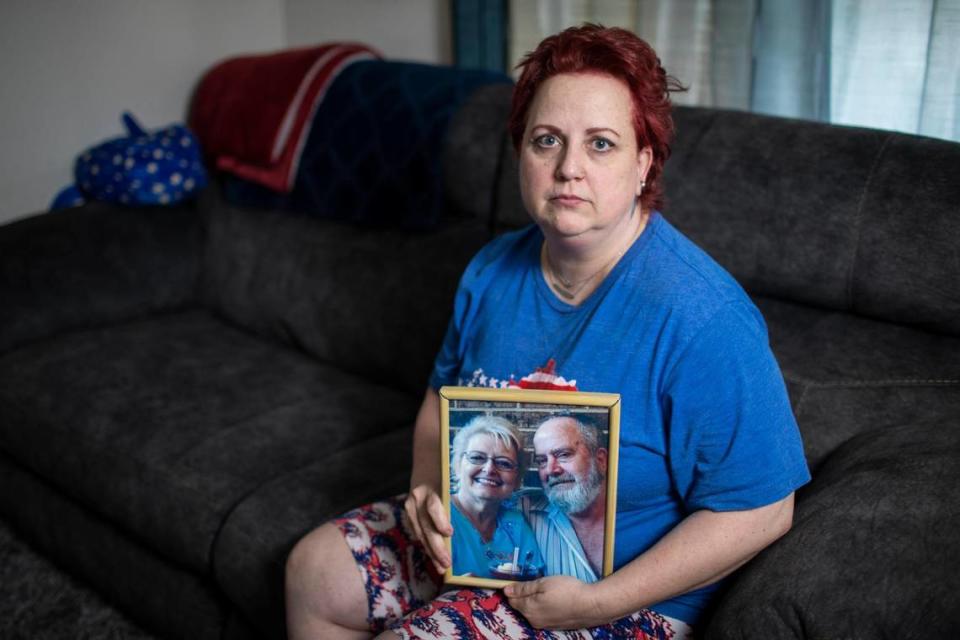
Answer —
(705, 419)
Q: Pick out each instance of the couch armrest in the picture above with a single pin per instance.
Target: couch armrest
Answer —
(95, 265)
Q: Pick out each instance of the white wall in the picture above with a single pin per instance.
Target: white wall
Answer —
(68, 69)
(416, 30)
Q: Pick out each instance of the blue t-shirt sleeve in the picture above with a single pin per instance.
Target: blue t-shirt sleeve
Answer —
(733, 437)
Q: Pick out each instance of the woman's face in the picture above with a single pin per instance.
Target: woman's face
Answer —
(580, 168)
(488, 469)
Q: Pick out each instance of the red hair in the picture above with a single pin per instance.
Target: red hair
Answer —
(618, 53)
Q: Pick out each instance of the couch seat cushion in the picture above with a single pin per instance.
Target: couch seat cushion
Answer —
(251, 550)
(873, 552)
(847, 374)
(164, 425)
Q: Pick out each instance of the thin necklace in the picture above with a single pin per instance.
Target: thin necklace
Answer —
(569, 289)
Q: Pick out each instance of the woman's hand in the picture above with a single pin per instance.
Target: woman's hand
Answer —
(557, 602)
(424, 507)
(430, 523)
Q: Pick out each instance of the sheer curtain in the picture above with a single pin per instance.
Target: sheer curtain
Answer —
(892, 64)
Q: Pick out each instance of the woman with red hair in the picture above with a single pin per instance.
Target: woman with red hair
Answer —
(604, 288)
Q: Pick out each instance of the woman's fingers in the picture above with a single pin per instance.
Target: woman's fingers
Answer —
(436, 549)
(413, 515)
(522, 589)
(430, 524)
(434, 526)
(438, 514)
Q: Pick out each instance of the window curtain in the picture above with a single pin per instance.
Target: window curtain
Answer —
(479, 34)
(891, 64)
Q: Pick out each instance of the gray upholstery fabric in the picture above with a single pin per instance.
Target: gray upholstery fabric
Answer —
(165, 424)
(741, 186)
(787, 321)
(145, 585)
(873, 552)
(908, 267)
(251, 550)
(371, 302)
(850, 219)
(95, 265)
(510, 212)
(848, 374)
(480, 162)
(473, 149)
(831, 413)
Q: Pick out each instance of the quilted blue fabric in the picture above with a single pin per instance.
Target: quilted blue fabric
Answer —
(373, 155)
(152, 168)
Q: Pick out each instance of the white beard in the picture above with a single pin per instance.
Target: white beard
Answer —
(577, 497)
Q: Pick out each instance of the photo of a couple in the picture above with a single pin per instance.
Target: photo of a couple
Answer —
(528, 490)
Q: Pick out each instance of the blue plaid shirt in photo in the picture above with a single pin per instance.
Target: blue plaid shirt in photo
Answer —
(561, 549)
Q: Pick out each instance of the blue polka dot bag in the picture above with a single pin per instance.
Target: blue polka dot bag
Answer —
(144, 168)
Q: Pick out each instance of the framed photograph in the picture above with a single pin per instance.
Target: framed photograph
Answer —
(529, 481)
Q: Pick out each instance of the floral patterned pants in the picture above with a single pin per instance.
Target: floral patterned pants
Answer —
(402, 591)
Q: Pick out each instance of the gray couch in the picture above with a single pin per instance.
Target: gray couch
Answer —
(185, 391)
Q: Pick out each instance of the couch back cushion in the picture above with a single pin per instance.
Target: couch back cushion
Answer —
(371, 301)
(846, 218)
(95, 265)
(478, 159)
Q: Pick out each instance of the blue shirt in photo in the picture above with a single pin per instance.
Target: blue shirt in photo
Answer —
(471, 554)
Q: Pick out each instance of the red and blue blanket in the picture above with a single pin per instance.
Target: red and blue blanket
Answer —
(333, 131)
(253, 113)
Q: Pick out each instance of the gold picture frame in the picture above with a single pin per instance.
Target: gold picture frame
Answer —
(530, 411)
